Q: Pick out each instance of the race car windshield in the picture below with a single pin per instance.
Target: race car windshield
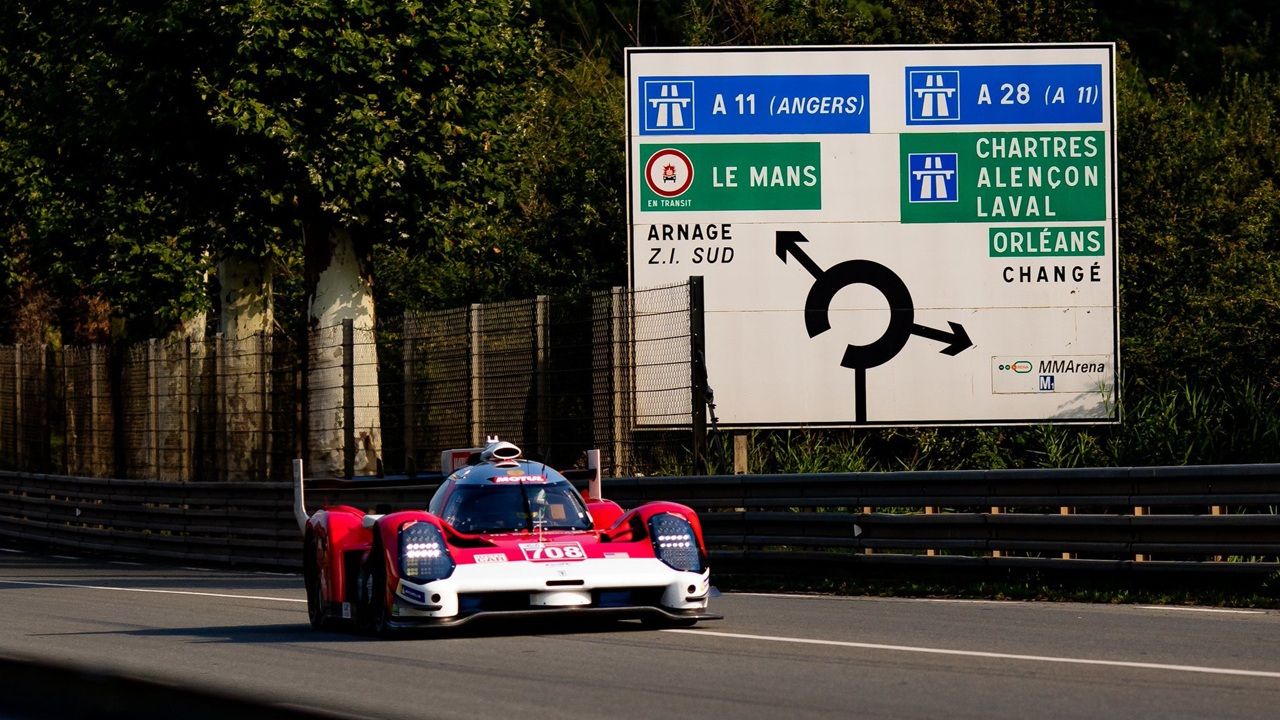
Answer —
(510, 507)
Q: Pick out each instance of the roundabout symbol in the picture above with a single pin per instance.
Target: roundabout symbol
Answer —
(902, 325)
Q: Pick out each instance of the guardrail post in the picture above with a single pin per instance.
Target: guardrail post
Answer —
(1216, 510)
(1139, 512)
(1064, 510)
(867, 510)
(996, 511)
(930, 510)
(348, 398)
(697, 374)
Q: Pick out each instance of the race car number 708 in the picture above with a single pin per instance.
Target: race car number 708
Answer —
(553, 551)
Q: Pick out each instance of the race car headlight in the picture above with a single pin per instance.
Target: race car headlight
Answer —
(423, 554)
(674, 542)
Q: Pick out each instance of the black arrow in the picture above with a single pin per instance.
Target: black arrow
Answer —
(958, 339)
(789, 242)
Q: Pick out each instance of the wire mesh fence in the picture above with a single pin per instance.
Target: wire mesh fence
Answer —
(86, 392)
(612, 370)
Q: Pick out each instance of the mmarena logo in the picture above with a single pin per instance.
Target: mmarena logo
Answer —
(1020, 366)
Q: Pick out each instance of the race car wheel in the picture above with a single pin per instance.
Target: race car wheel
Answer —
(380, 613)
(311, 578)
(373, 593)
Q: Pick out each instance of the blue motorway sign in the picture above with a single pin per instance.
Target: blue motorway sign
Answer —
(754, 105)
(1003, 94)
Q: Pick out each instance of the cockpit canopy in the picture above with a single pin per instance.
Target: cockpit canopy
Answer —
(510, 496)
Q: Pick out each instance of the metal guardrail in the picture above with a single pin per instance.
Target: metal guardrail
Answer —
(1219, 520)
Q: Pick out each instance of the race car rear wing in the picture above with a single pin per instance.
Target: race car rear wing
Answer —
(450, 460)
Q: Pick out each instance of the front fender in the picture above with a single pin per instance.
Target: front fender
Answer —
(334, 532)
(388, 530)
(634, 525)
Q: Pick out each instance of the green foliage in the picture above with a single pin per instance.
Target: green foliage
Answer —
(403, 123)
(796, 22)
(108, 187)
(1234, 422)
(1165, 423)
(562, 226)
(1200, 231)
(1196, 43)
(807, 452)
(352, 103)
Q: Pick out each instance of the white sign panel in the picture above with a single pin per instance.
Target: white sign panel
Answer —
(888, 235)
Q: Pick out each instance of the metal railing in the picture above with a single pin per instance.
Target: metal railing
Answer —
(1219, 520)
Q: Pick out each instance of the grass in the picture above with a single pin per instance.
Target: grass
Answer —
(1172, 423)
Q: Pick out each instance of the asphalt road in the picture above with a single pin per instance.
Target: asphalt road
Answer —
(771, 657)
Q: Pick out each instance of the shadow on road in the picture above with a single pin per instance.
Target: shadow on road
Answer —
(303, 633)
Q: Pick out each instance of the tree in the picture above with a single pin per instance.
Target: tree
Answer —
(1199, 44)
(1200, 231)
(795, 22)
(387, 125)
(116, 185)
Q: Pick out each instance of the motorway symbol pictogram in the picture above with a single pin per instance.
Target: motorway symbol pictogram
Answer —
(902, 325)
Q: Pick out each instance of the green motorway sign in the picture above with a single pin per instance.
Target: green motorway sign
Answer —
(730, 176)
(1003, 177)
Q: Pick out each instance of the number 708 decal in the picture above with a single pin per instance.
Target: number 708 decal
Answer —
(553, 551)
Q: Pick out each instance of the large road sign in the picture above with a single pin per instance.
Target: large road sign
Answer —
(888, 235)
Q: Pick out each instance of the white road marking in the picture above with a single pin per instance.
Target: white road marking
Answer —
(958, 601)
(1226, 611)
(125, 562)
(863, 598)
(64, 557)
(989, 655)
(149, 590)
(10, 550)
(790, 596)
(966, 601)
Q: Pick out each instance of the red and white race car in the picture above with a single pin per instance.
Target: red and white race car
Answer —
(503, 536)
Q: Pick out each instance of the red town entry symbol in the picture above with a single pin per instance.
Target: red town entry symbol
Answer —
(669, 172)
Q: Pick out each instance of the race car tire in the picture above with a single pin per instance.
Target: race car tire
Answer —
(375, 614)
(311, 578)
(378, 622)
